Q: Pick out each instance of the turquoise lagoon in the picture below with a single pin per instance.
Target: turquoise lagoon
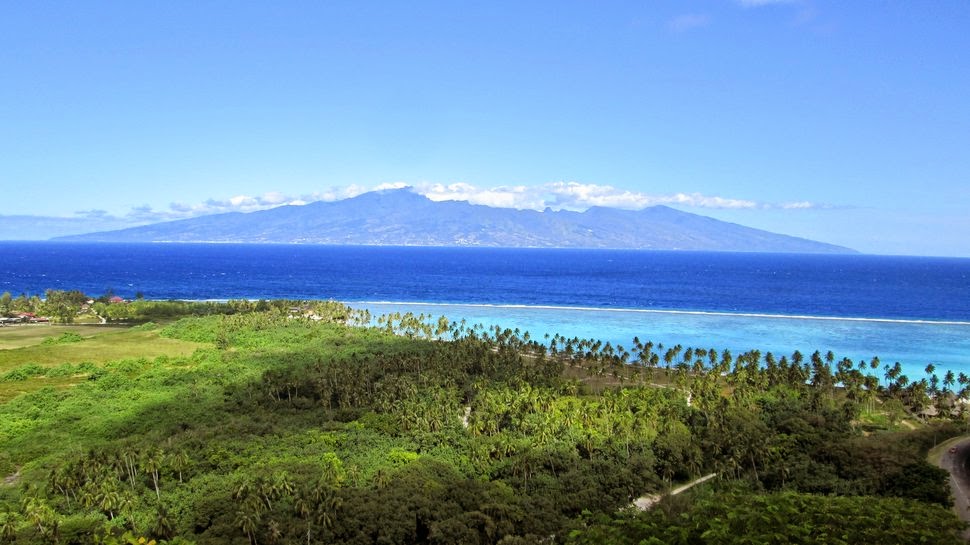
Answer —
(913, 343)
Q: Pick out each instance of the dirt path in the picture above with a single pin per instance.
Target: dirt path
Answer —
(646, 502)
(12, 479)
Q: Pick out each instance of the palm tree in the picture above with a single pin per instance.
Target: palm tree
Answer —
(180, 461)
(163, 524)
(274, 530)
(248, 521)
(902, 381)
(62, 479)
(128, 458)
(353, 473)
(771, 368)
(326, 511)
(151, 462)
(726, 361)
(304, 508)
(8, 526)
(893, 372)
(281, 485)
(381, 478)
(917, 395)
(109, 499)
(872, 384)
(40, 515)
(949, 380)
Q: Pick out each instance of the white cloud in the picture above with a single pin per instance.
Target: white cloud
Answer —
(331, 194)
(392, 185)
(760, 3)
(93, 214)
(688, 21)
(704, 201)
(236, 203)
(275, 197)
(572, 196)
(800, 205)
(503, 196)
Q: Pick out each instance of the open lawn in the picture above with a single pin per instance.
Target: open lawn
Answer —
(12, 389)
(17, 336)
(45, 346)
(26, 344)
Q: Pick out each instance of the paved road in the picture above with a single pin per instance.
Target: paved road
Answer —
(957, 463)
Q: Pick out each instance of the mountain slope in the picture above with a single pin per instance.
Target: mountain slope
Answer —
(400, 217)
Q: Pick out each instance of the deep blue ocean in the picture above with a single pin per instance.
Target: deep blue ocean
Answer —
(915, 310)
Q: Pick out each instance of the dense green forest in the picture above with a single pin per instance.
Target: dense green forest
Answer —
(309, 422)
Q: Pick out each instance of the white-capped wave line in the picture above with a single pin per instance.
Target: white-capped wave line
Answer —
(667, 311)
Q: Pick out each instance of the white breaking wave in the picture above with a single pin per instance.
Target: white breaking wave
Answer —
(662, 311)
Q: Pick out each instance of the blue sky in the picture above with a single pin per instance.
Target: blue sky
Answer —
(846, 122)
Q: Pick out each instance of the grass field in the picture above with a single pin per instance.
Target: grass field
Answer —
(25, 344)
(17, 336)
(12, 389)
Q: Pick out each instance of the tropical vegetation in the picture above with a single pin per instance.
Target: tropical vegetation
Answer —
(310, 422)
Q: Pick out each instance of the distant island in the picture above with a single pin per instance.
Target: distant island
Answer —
(404, 218)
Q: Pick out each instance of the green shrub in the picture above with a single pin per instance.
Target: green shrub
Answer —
(23, 372)
(65, 338)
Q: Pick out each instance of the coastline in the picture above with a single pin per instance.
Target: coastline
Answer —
(667, 311)
(575, 308)
(912, 343)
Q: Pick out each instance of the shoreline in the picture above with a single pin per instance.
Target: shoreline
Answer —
(913, 343)
(665, 311)
(579, 308)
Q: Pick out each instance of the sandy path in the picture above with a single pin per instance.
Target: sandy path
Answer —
(646, 502)
(12, 479)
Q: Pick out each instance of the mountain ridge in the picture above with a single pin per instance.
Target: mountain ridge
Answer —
(401, 217)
